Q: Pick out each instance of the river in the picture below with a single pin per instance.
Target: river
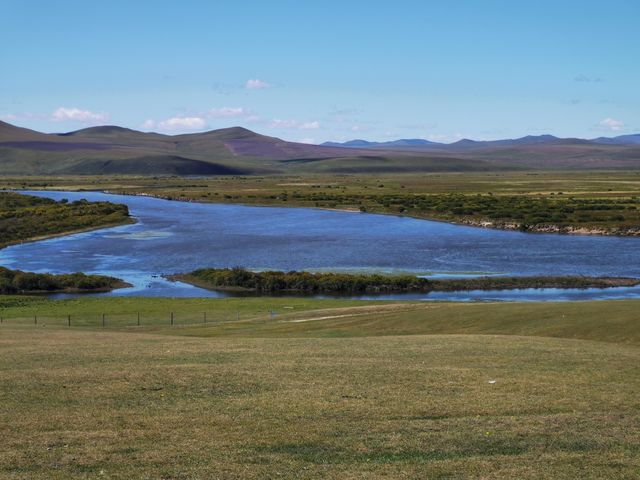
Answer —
(172, 237)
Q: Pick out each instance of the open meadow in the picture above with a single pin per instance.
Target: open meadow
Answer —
(302, 388)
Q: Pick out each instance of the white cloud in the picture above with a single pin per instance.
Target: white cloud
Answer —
(256, 84)
(148, 125)
(63, 114)
(226, 112)
(611, 124)
(182, 123)
(291, 124)
(278, 123)
(310, 125)
(307, 140)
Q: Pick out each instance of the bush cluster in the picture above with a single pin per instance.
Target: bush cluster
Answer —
(25, 216)
(310, 283)
(16, 281)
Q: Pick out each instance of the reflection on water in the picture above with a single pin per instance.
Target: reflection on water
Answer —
(174, 237)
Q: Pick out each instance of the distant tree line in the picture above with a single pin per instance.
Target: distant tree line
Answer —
(23, 217)
(310, 283)
(16, 281)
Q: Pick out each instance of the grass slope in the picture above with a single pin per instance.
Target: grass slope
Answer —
(608, 321)
(83, 403)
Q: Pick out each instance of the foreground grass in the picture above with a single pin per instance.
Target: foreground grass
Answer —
(82, 404)
(396, 396)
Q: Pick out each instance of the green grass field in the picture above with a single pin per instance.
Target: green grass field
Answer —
(323, 389)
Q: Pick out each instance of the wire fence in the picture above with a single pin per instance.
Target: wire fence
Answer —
(135, 319)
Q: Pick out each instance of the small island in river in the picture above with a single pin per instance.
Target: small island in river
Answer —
(19, 282)
(239, 279)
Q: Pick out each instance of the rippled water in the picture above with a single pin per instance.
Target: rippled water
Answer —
(179, 237)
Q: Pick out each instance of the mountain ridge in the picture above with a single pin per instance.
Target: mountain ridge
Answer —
(111, 149)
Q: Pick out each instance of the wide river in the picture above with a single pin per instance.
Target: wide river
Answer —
(179, 237)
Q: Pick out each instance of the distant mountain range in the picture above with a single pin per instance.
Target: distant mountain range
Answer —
(238, 151)
(418, 143)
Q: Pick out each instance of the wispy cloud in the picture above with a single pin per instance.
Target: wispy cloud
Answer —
(279, 123)
(587, 79)
(226, 112)
(611, 124)
(148, 125)
(195, 120)
(64, 114)
(293, 124)
(256, 84)
(176, 124)
(310, 125)
(445, 138)
(343, 112)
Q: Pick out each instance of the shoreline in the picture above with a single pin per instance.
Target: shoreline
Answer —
(73, 291)
(546, 228)
(70, 232)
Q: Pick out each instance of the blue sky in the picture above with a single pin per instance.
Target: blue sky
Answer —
(324, 70)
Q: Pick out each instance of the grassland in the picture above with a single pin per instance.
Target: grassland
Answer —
(324, 390)
(566, 202)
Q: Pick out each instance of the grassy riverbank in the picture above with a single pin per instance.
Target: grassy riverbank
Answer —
(434, 390)
(566, 202)
(27, 218)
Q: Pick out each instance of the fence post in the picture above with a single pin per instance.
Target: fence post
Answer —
(237, 316)
(205, 317)
(69, 320)
(103, 320)
(35, 319)
(138, 318)
(171, 318)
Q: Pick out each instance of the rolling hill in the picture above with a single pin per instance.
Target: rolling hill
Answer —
(238, 151)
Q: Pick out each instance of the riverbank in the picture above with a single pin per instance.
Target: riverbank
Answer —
(562, 229)
(130, 221)
(572, 203)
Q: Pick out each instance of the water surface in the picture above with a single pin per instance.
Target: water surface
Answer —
(174, 237)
